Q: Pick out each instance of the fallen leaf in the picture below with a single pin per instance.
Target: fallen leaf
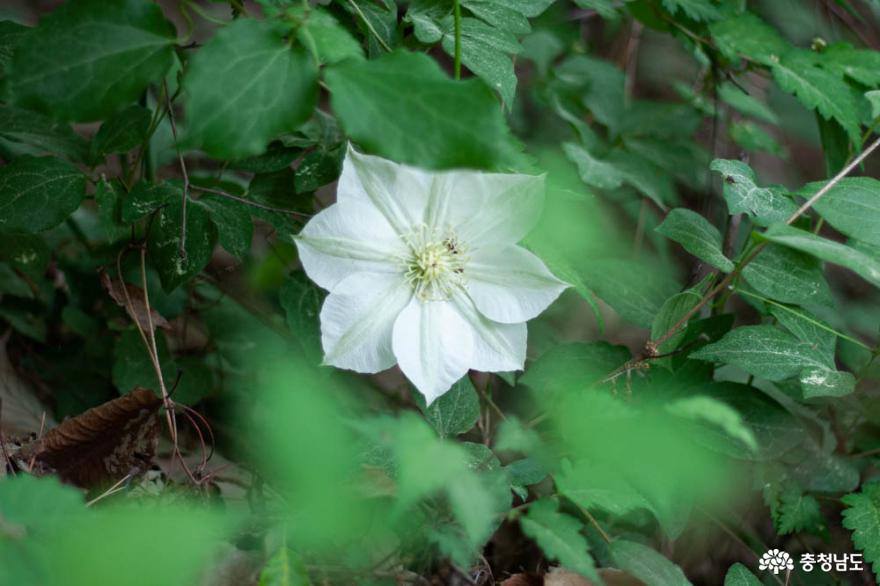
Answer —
(610, 576)
(138, 308)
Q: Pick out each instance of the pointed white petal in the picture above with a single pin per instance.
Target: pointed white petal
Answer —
(348, 238)
(357, 320)
(399, 192)
(510, 207)
(510, 284)
(497, 347)
(433, 344)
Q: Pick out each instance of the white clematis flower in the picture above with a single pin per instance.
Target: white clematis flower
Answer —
(423, 270)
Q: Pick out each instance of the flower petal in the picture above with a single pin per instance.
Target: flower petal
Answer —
(510, 207)
(399, 192)
(433, 344)
(348, 238)
(357, 320)
(497, 347)
(509, 284)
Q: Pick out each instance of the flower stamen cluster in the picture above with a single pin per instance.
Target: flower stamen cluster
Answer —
(435, 265)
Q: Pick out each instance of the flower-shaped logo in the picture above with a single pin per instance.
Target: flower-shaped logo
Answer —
(776, 561)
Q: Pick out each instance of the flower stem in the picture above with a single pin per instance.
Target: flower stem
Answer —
(456, 9)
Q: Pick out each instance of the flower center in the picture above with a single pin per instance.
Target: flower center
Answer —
(435, 264)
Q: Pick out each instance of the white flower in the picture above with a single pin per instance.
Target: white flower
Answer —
(423, 270)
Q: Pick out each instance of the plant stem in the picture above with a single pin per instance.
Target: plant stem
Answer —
(185, 196)
(456, 9)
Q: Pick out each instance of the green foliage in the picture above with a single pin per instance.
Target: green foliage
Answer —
(646, 564)
(739, 575)
(38, 193)
(861, 517)
(786, 275)
(851, 206)
(559, 536)
(765, 205)
(456, 412)
(697, 236)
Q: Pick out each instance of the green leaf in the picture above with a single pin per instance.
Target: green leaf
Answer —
(746, 104)
(145, 198)
(828, 250)
(11, 34)
(712, 411)
(826, 382)
(873, 98)
(697, 235)
(42, 133)
(301, 300)
(284, 568)
(852, 206)
(739, 575)
(672, 310)
(861, 65)
(321, 33)
(164, 243)
(38, 193)
(122, 132)
(788, 276)
(500, 14)
(646, 564)
(456, 411)
(750, 37)
(485, 50)
(574, 366)
(525, 472)
(604, 8)
(461, 118)
(108, 197)
(235, 229)
(245, 87)
(765, 205)
(819, 90)
(132, 367)
(862, 517)
(593, 171)
(699, 10)
(634, 290)
(26, 252)
(752, 137)
(797, 512)
(318, 168)
(764, 351)
(808, 328)
(559, 537)
(88, 58)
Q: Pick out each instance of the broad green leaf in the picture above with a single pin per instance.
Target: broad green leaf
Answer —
(828, 250)
(284, 568)
(597, 84)
(752, 137)
(739, 575)
(797, 512)
(11, 34)
(716, 413)
(819, 90)
(132, 367)
(376, 19)
(861, 65)
(672, 310)
(40, 505)
(108, 198)
(697, 235)
(574, 366)
(42, 133)
(38, 193)
(764, 351)
(26, 252)
(765, 205)
(456, 411)
(826, 382)
(634, 290)
(164, 243)
(122, 132)
(700, 10)
(873, 98)
(646, 177)
(750, 37)
(646, 564)
(593, 171)
(235, 230)
(486, 50)
(301, 300)
(499, 13)
(325, 37)
(88, 58)
(318, 168)
(607, 9)
(789, 276)
(278, 157)
(245, 87)
(862, 517)
(461, 118)
(852, 206)
(145, 198)
(808, 328)
(746, 104)
(559, 537)
(526, 472)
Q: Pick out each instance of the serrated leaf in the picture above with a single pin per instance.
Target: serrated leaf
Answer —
(235, 230)
(862, 517)
(38, 193)
(746, 104)
(828, 250)
(789, 276)
(765, 205)
(748, 36)
(797, 512)
(861, 65)
(462, 118)
(764, 351)
(699, 10)
(739, 575)
(593, 171)
(122, 131)
(559, 537)
(456, 411)
(819, 90)
(646, 564)
(164, 243)
(89, 57)
(42, 133)
(697, 235)
(852, 206)
(245, 87)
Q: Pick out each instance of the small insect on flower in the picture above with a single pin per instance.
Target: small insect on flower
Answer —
(424, 270)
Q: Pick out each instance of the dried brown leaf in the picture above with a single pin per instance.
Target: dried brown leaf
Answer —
(138, 308)
(610, 576)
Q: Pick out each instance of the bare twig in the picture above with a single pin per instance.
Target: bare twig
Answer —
(251, 203)
(185, 196)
